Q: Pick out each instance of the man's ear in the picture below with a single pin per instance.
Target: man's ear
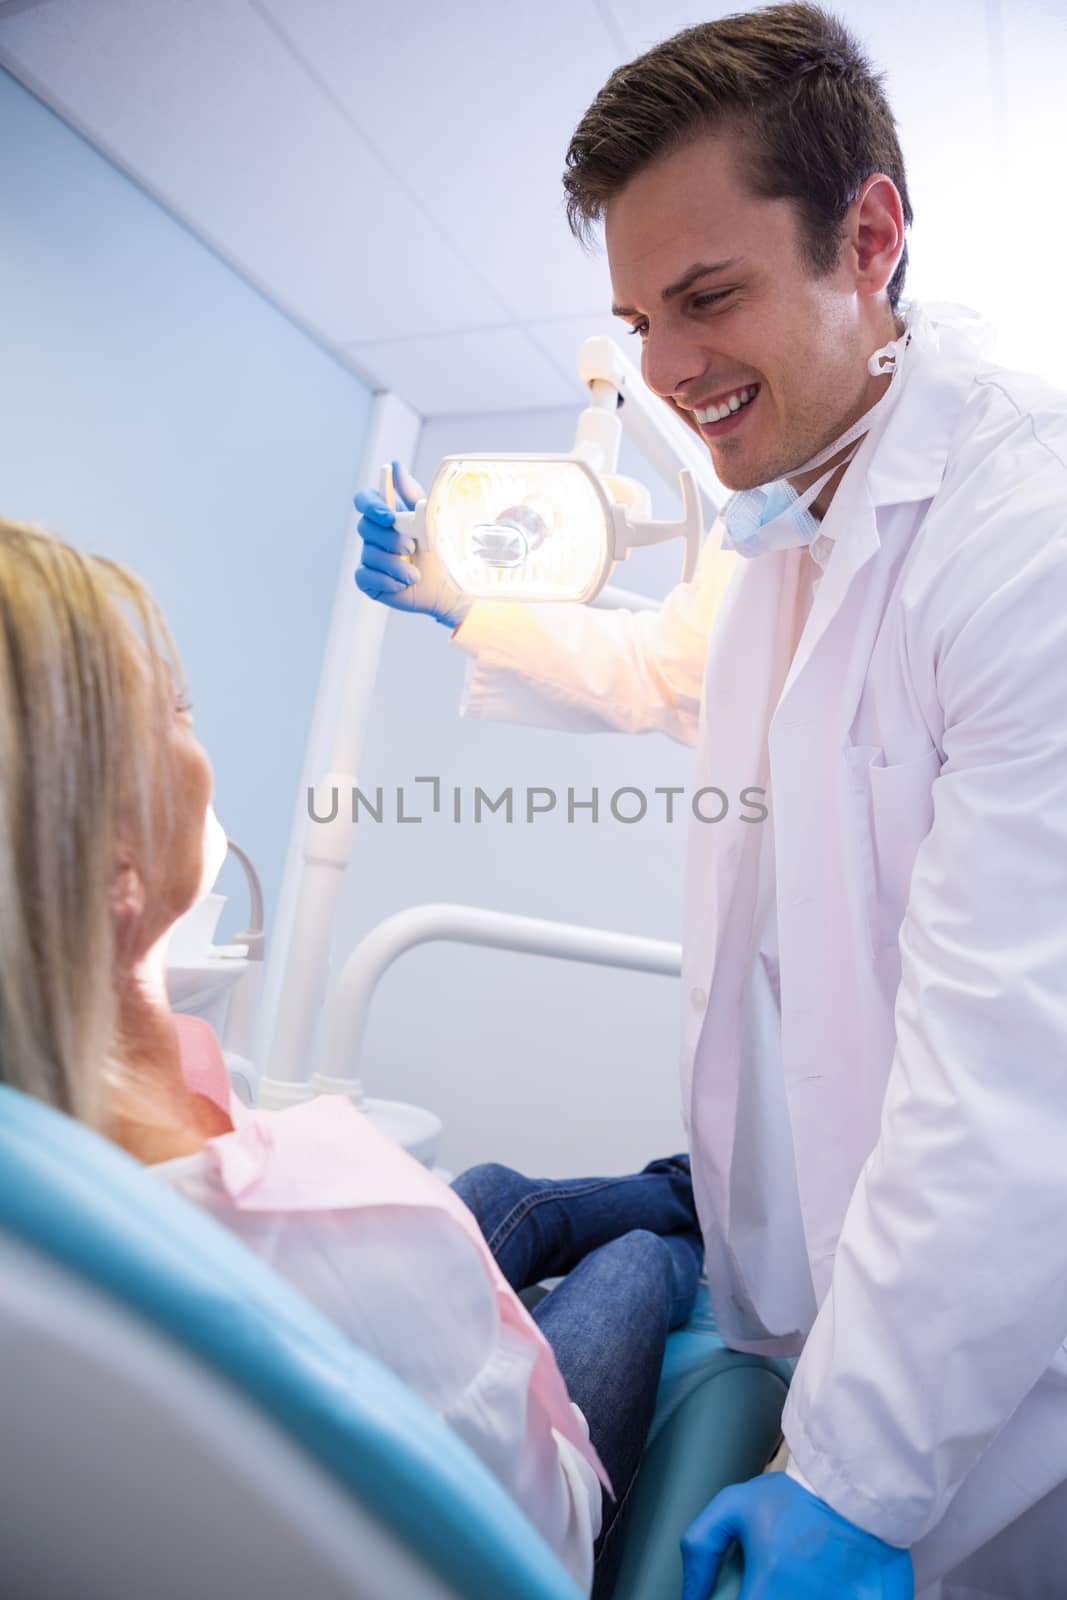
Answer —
(876, 233)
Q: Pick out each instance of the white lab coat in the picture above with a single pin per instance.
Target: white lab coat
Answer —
(917, 763)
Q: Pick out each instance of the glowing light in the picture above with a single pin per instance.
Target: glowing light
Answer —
(509, 528)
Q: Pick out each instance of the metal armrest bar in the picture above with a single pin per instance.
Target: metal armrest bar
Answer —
(498, 930)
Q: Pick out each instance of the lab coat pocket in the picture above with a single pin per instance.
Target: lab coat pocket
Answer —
(892, 812)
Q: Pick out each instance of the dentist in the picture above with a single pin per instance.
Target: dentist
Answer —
(874, 1054)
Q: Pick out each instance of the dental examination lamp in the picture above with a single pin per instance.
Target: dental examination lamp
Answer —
(547, 527)
(510, 527)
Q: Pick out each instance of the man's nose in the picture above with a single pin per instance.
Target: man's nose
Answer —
(672, 365)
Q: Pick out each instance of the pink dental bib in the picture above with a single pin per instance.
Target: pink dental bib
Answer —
(325, 1155)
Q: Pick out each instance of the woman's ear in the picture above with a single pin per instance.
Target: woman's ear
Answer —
(127, 895)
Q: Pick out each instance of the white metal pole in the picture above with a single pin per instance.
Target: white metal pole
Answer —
(498, 930)
(299, 951)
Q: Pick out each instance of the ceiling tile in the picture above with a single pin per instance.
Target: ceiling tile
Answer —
(390, 174)
(561, 338)
(643, 23)
(474, 106)
(204, 104)
(496, 369)
(938, 79)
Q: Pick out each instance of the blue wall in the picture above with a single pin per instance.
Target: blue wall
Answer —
(156, 409)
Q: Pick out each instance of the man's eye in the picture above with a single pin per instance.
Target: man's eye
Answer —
(699, 303)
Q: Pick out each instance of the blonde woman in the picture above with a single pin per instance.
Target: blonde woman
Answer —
(106, 837)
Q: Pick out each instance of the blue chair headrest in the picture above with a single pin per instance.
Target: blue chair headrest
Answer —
(85, 1204)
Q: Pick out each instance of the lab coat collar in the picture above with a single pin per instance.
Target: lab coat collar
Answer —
(909, 455)
(900, 462)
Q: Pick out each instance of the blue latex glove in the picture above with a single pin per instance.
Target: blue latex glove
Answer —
(418, 584)
(795, 1548)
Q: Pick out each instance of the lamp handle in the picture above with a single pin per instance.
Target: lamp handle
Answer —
(409, 522)
(693, 520)
(629, 535)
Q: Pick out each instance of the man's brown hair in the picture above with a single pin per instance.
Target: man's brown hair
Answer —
(812, 117)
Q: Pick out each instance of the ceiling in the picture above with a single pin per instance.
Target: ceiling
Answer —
(387, 171)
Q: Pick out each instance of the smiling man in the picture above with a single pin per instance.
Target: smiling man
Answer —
(766, 361)
(874, 1027)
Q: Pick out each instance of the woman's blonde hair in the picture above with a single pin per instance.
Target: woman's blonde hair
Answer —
(82, 737)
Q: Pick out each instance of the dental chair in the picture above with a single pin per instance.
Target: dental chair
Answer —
(176, 1420)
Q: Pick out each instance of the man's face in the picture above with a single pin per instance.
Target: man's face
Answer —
(761, 324)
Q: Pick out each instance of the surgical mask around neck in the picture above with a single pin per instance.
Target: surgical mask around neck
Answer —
(216, 849)
(774, 516)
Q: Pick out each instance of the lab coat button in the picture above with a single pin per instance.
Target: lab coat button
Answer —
(699, 999)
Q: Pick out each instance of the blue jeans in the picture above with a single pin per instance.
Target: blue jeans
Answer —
(630, 1254)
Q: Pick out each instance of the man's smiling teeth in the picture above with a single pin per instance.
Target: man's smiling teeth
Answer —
(733, 402)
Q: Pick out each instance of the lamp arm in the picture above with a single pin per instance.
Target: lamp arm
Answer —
(599, 432)
(663, 440)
